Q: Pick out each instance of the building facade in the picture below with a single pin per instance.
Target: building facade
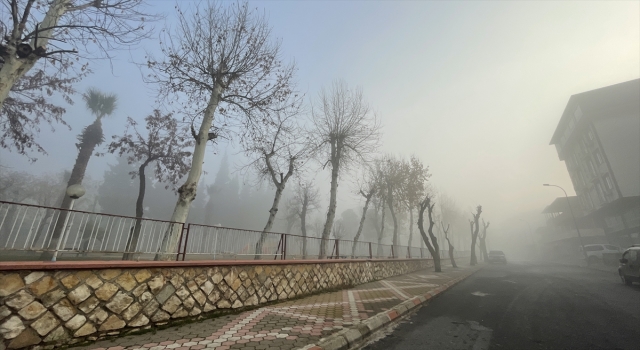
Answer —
(598, 138)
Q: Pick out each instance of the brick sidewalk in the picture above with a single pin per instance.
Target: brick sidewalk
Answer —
(291, 324)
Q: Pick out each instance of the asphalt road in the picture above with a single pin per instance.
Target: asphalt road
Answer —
(525, 306)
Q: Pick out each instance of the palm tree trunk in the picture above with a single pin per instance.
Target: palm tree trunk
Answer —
(85, 151)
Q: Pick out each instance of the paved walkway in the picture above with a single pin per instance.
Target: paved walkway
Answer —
(292, 324)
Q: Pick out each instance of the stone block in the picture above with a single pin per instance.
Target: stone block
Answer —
(142, 275)
(200, 297)
(192, 285)
(183, 293)
(64, 309)
(200, 279)
(126, 281)
(216, 278)
(58, 334)
(131, 311)
(79, 294)
(41, 286)
(165, 293)
(223, 304)
(32, 311)
(195, 311)
(237, 304)
(151, 308)
(139, 290)
(98, 316)
(109, 274)
(156, 284)
(88, 305)
(172, 304)
(32, 277)
(52, 297)
(180, 313)
(85, 330)
(4, 312)
(105, 292)
(93, 281)
(353, 336)
(70, 281)
(27, 338)
(208, 307)
(12, 327)
(139, 321)
(207, 287)
(76, 322)
(10, 283)
(45, 324)
(119, 302)
(160, 316)
(19, 300)
(112, 323)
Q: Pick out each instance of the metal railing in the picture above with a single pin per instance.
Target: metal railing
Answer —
(30, 232)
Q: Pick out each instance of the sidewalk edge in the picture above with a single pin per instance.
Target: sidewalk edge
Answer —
(352, 336)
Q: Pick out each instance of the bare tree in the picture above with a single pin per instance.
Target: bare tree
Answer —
(367, 190)
(346, 133)
(41, 43)
(394, 172)
(306, 199)
(222, 65)
(279, 150)
(451, 248)
(483, 242)
(164, 145)
(431, 241)
(475, 227)
(414, 188)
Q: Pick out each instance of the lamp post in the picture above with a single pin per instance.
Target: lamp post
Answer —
(74, 192)
(584, 252)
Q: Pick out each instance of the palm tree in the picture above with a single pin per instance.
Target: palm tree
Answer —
(100, 105)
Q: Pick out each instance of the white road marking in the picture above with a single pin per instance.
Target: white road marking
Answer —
(396, 290)
(480, 294)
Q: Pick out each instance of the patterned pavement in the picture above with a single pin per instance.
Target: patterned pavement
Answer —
(288, 325)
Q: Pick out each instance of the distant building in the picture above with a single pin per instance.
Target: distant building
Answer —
(598, 137)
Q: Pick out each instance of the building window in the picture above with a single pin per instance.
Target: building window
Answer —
(599, 157)
(608, 182)
(600, 193)
(592, 168)
(578, 113)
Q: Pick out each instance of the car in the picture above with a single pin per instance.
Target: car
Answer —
(497, 256)
(629, 269)
(602, 253)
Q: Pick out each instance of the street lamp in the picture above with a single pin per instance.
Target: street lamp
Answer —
(74, 192)
(584, 252)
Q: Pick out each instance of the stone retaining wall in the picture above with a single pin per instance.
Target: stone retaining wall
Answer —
(43, 308)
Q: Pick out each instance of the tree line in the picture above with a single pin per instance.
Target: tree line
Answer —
(219, 75)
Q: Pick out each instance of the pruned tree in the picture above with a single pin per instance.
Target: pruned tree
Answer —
(430, 241)
(41, 47)
(164, 145)
(451, 248)
(279, 150)
(346, 133)
(306, 199)
(416, 177)
(220, 64)
(394, 173)
(475, 227)
(483, 242)
(368, 188)
(100, 105)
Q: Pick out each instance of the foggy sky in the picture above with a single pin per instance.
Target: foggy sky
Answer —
(475, 89)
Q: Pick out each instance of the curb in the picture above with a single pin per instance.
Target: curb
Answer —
(349, 337)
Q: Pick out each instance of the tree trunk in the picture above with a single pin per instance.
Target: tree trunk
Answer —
(410, 226)
(336, 151)
(361, 226)
(303, 228)
(474, 237)
(272, 216)
(432, 250)
(132, 242)
(453, 261)
(15, 68)
(395, 220)
(381, 236)
(85, 151)
(483, 249)
(187, 192)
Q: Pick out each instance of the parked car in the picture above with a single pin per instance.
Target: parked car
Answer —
(602, 253)
(497, 256)
(629, 269)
